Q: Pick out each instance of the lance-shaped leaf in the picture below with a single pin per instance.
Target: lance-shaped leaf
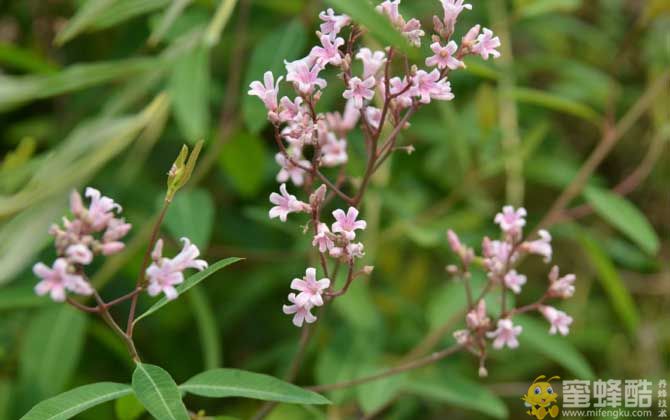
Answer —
(220, 383)
(190, 282)
(75, 401)
(158, 393)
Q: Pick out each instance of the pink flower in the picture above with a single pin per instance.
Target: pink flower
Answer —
(514, 281)
(76, 204)
(360, 90)
(505, 335)
(372, 61)
(413, 32)
(101, 210)
(266, 91)
(291, 168)
(355, 250)
(311, 290)
(486, 45)
(540, 246)
(498, 255)
(79, 254)
(57, 280)
(561, 287)
(429, 86)
(453, 8)
(285, 204)
(303, 77)
(332, 23)
(290, 110)
(471, 36)
(165, 273)
(399, 88)
(390, 9)
(559, 320)
(462, 337)
(347, 223)
(511, 221)
(444, 56)
(334, 151)
(322, 238)
(329, 53)
(477, 318)
(302, 311)
(373, 116)
(116, 229)
(455, 242)
(111, 248)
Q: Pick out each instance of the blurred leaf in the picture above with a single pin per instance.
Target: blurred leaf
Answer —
(210, 338)
(619, 296)
(557, 103)
(220, 383)
(128, 408)
(73, 402)
(458, 391)
(189, 283)
(6, 397)
(26, 60)
(627, 256)
(122, 10)
(169, 17)
(50, 352)
(242, 152)
(623, 215)
(364, 13)
(375, 395)
(158, 392)
(12, 298)
(17, 90)
(191, 215)
(532, 8)
(536, 336)
(84, 17)
(189, 88)
(219, 22)
(284, 43)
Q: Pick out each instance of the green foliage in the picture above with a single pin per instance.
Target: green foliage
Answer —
(191, 215)
(77, 400)
(220, 383)
(158, 392)
(189, 88)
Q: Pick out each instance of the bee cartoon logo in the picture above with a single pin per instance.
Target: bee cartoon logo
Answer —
(541, 399)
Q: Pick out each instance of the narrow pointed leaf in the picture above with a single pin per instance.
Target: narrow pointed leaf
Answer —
(158, 393)
(77, 400)
(220, 383)
(190, 282)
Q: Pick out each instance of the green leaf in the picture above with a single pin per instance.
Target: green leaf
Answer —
(158, 392)
(26, 60)
(189, 283)
(220, 383)
(623, 215)
(6, 398)
(619, 296)
(12, 298)
(210, 338)
(536, 337)
(51, 349)
(169, 17)
(128, 408)
(189, 90)
(557, 103)
(458, 391)
(84, 17)
(219, 22)
(191, 215)
(364, 13)
(285, 43)
(539, 7)
(78, 400)
(375, 395)
(17, 90)
(123, 10)
(242, 152)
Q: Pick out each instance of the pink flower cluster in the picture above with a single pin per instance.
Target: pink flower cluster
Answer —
(376, 94)
(95, 230)
(499, 259)
(165, 273)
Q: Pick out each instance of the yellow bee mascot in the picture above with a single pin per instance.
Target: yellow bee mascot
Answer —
(541, 398)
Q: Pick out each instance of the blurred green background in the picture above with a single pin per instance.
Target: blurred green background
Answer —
(103, 93)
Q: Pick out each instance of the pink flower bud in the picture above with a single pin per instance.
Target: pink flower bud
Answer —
(111, 248)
